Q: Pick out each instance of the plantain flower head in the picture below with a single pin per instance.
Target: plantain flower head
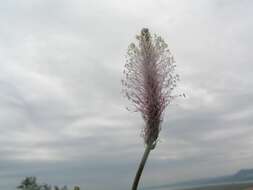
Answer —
(149, 80)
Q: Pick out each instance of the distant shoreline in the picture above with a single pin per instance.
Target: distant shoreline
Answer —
(241, 179)
(212, 186)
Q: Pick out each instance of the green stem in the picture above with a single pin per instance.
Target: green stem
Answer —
(141, 166)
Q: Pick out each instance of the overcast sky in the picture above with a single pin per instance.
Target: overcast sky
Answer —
(63, 119)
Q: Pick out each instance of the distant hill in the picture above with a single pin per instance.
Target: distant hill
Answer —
(242, 175)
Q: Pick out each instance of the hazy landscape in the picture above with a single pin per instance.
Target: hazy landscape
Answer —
(241, 180)
(225, 187)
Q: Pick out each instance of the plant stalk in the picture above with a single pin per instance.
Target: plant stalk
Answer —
(141, 167)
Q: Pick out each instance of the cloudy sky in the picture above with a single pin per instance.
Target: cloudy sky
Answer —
(64, 120)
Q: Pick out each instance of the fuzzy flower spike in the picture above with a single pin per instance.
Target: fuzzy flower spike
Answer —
(149, 80)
